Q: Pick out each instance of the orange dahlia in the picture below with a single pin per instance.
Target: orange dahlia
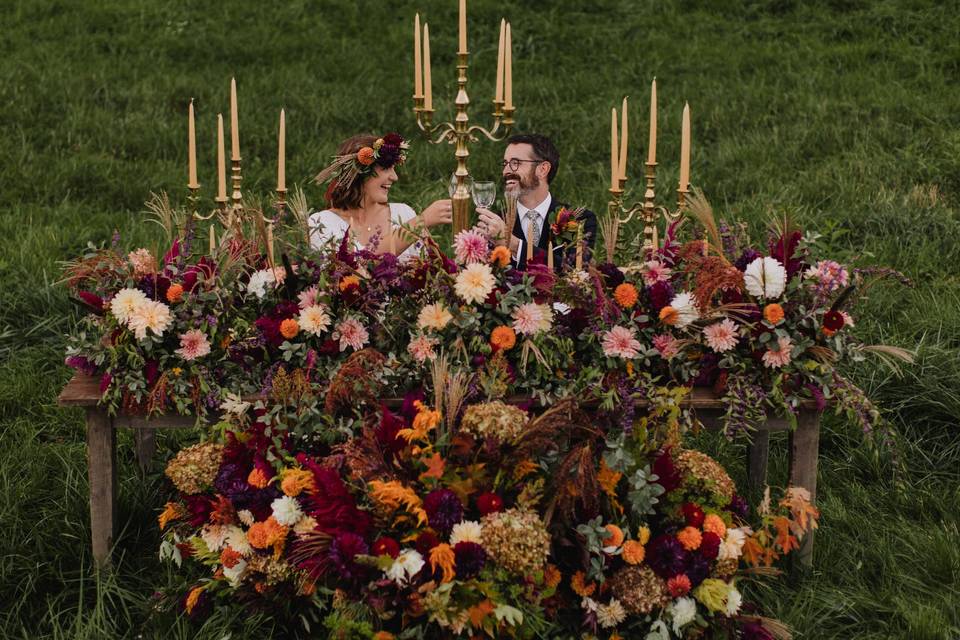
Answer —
(503, 337)
(690, 538)
(773, 313)
(669, 315)
(262, 535)
(616, 536)
(175, 293)
(230, 557)
(500, 256)
(578, 586)
(626, 295)
(289, 328)
(715, 524)
(633, 552)
(366, 156)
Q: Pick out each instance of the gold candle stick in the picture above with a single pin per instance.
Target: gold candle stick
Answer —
(460, 132)
(579, 264)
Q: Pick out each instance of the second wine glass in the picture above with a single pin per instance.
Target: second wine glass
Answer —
(484, 193)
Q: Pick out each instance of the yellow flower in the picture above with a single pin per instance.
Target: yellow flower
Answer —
(713, 593)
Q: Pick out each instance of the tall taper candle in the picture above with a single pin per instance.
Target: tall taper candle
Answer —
(417, 60)
(221, 162)
(550, 255)
(685, 149)
(652, 149)
(281, 154)
(234, 126)
(213, 240)
(614, 166)
(508, 69)
(428, 89)
(192, 150)
(463, 26)
(503, 27)
(623, 141)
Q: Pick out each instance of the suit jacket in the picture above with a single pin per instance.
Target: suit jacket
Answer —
(563, 257)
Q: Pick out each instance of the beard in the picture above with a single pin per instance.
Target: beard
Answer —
(525, 184)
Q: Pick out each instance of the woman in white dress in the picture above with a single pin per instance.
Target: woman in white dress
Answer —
(358, 199)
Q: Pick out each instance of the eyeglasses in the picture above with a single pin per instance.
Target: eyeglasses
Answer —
(514, 163)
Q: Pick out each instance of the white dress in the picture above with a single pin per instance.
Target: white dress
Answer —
(326, 225)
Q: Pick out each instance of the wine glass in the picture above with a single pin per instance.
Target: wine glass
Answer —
(484, 193)
(452, 185)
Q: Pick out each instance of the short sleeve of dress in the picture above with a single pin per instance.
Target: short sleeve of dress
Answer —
(325, 226)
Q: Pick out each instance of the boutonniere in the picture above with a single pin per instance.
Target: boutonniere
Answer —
(564, 227)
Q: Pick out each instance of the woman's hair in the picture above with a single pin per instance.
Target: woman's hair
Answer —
(352, 197)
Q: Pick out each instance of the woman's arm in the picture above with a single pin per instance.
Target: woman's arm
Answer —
(438, 213)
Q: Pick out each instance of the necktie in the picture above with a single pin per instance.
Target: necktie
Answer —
(533, 218)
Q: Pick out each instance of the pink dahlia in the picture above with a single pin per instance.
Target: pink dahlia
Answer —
(193, 345)
(721, 336)
(620, 342)
(351, 334)
(532, 318)
(470, 246)
(655, 271)
(666, 345)
(776, 359)
(421, 348)
(308, 297)
(143, 262)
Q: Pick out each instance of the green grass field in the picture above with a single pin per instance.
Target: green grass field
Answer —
(842, 113)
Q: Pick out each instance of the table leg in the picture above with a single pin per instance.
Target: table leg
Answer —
(757, 455)
(145, 442)
(102, 472)
(804, 450)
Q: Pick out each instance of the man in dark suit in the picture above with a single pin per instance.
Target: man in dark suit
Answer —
(530, 163)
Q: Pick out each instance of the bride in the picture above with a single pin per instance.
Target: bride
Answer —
(358, 196)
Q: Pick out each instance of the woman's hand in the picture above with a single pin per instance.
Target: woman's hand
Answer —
(440, 212)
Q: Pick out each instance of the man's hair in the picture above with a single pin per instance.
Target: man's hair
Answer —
(351, 198)
(543, 149)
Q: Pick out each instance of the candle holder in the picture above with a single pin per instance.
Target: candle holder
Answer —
(235, 209)
(648, 210)
(461, 133)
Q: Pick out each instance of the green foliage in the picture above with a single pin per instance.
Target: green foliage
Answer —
(839, 113)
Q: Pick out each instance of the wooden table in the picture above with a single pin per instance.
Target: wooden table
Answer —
(84, 391)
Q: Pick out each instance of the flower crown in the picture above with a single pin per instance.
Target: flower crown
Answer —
(387, 151)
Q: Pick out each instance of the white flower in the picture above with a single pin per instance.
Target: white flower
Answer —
(733, 601)
(405, 566)
(237, 538)
(306, 525)
(152, 315)
(685, 306)
(475, 282)
(683, 611)
(125, 301)
(466, 531)
(259, 281)
(589, 604)
(765, 278)
(235, 573)
(286, 511)
(611, 615)
(314, 319)
(245, 516)
(234, 405)
(561, 308)
(214, 536)
(732, 545)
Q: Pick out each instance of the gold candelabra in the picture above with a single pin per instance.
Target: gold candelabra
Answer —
(648, 210)
(460, 132)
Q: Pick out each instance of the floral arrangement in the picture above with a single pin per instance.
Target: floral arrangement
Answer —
(385, 152)
(486, 521)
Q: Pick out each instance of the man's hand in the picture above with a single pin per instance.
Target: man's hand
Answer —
(490, 224)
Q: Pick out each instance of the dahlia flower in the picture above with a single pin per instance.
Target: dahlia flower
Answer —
(125, 301)
(287, 511)
(259, 281)
(666, 345)
(193, 345)
(151, 315)
(620, 342)
(532, 318)
(421, 348)
(732, 546)
(655, 271)
(434, 316)
(466, 531)
(475, 283)
(780, 358)
(682, 611)
(308, 297)
(470, 246)
(351, 334)
(721, 336)
(405, 566)
(610, 615)
(314, 319)
(765, 278)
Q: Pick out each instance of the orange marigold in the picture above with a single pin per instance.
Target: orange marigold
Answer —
(715, 523)
(172, 511)
(289, 328)
(551, 576)
(616, 536)
(175, 293)
(268, 533)
(296, 481)
(504, 338)
(669, 315)
(442, 556)
(192, 598)
(626, 295)
(773, 313)
(579, 588)
(500, 256)
(258, 478)
(633, 552)
(383, 635)
(229, 557)
(690, 538)
(366, 156)
(347, 282)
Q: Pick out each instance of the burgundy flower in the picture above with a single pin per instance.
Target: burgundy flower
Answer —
(660, 296)
(666, 471)
(331, 505)
(833, 320)
(81, 364)
(710, 545)
(697, 568)
(105, 381)
(340, 557)
(386, 545)
(612, 276)
(739, 507)
(386, 433)
(444, 509)
(425, 542)
(692, 514)
(488, 503)
(666, 556)
(200, 508)
(191, 275)
(92, 300)
(470, 559)
(784, 249)
(151, 371)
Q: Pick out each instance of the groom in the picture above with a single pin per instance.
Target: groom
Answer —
(530, 163)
